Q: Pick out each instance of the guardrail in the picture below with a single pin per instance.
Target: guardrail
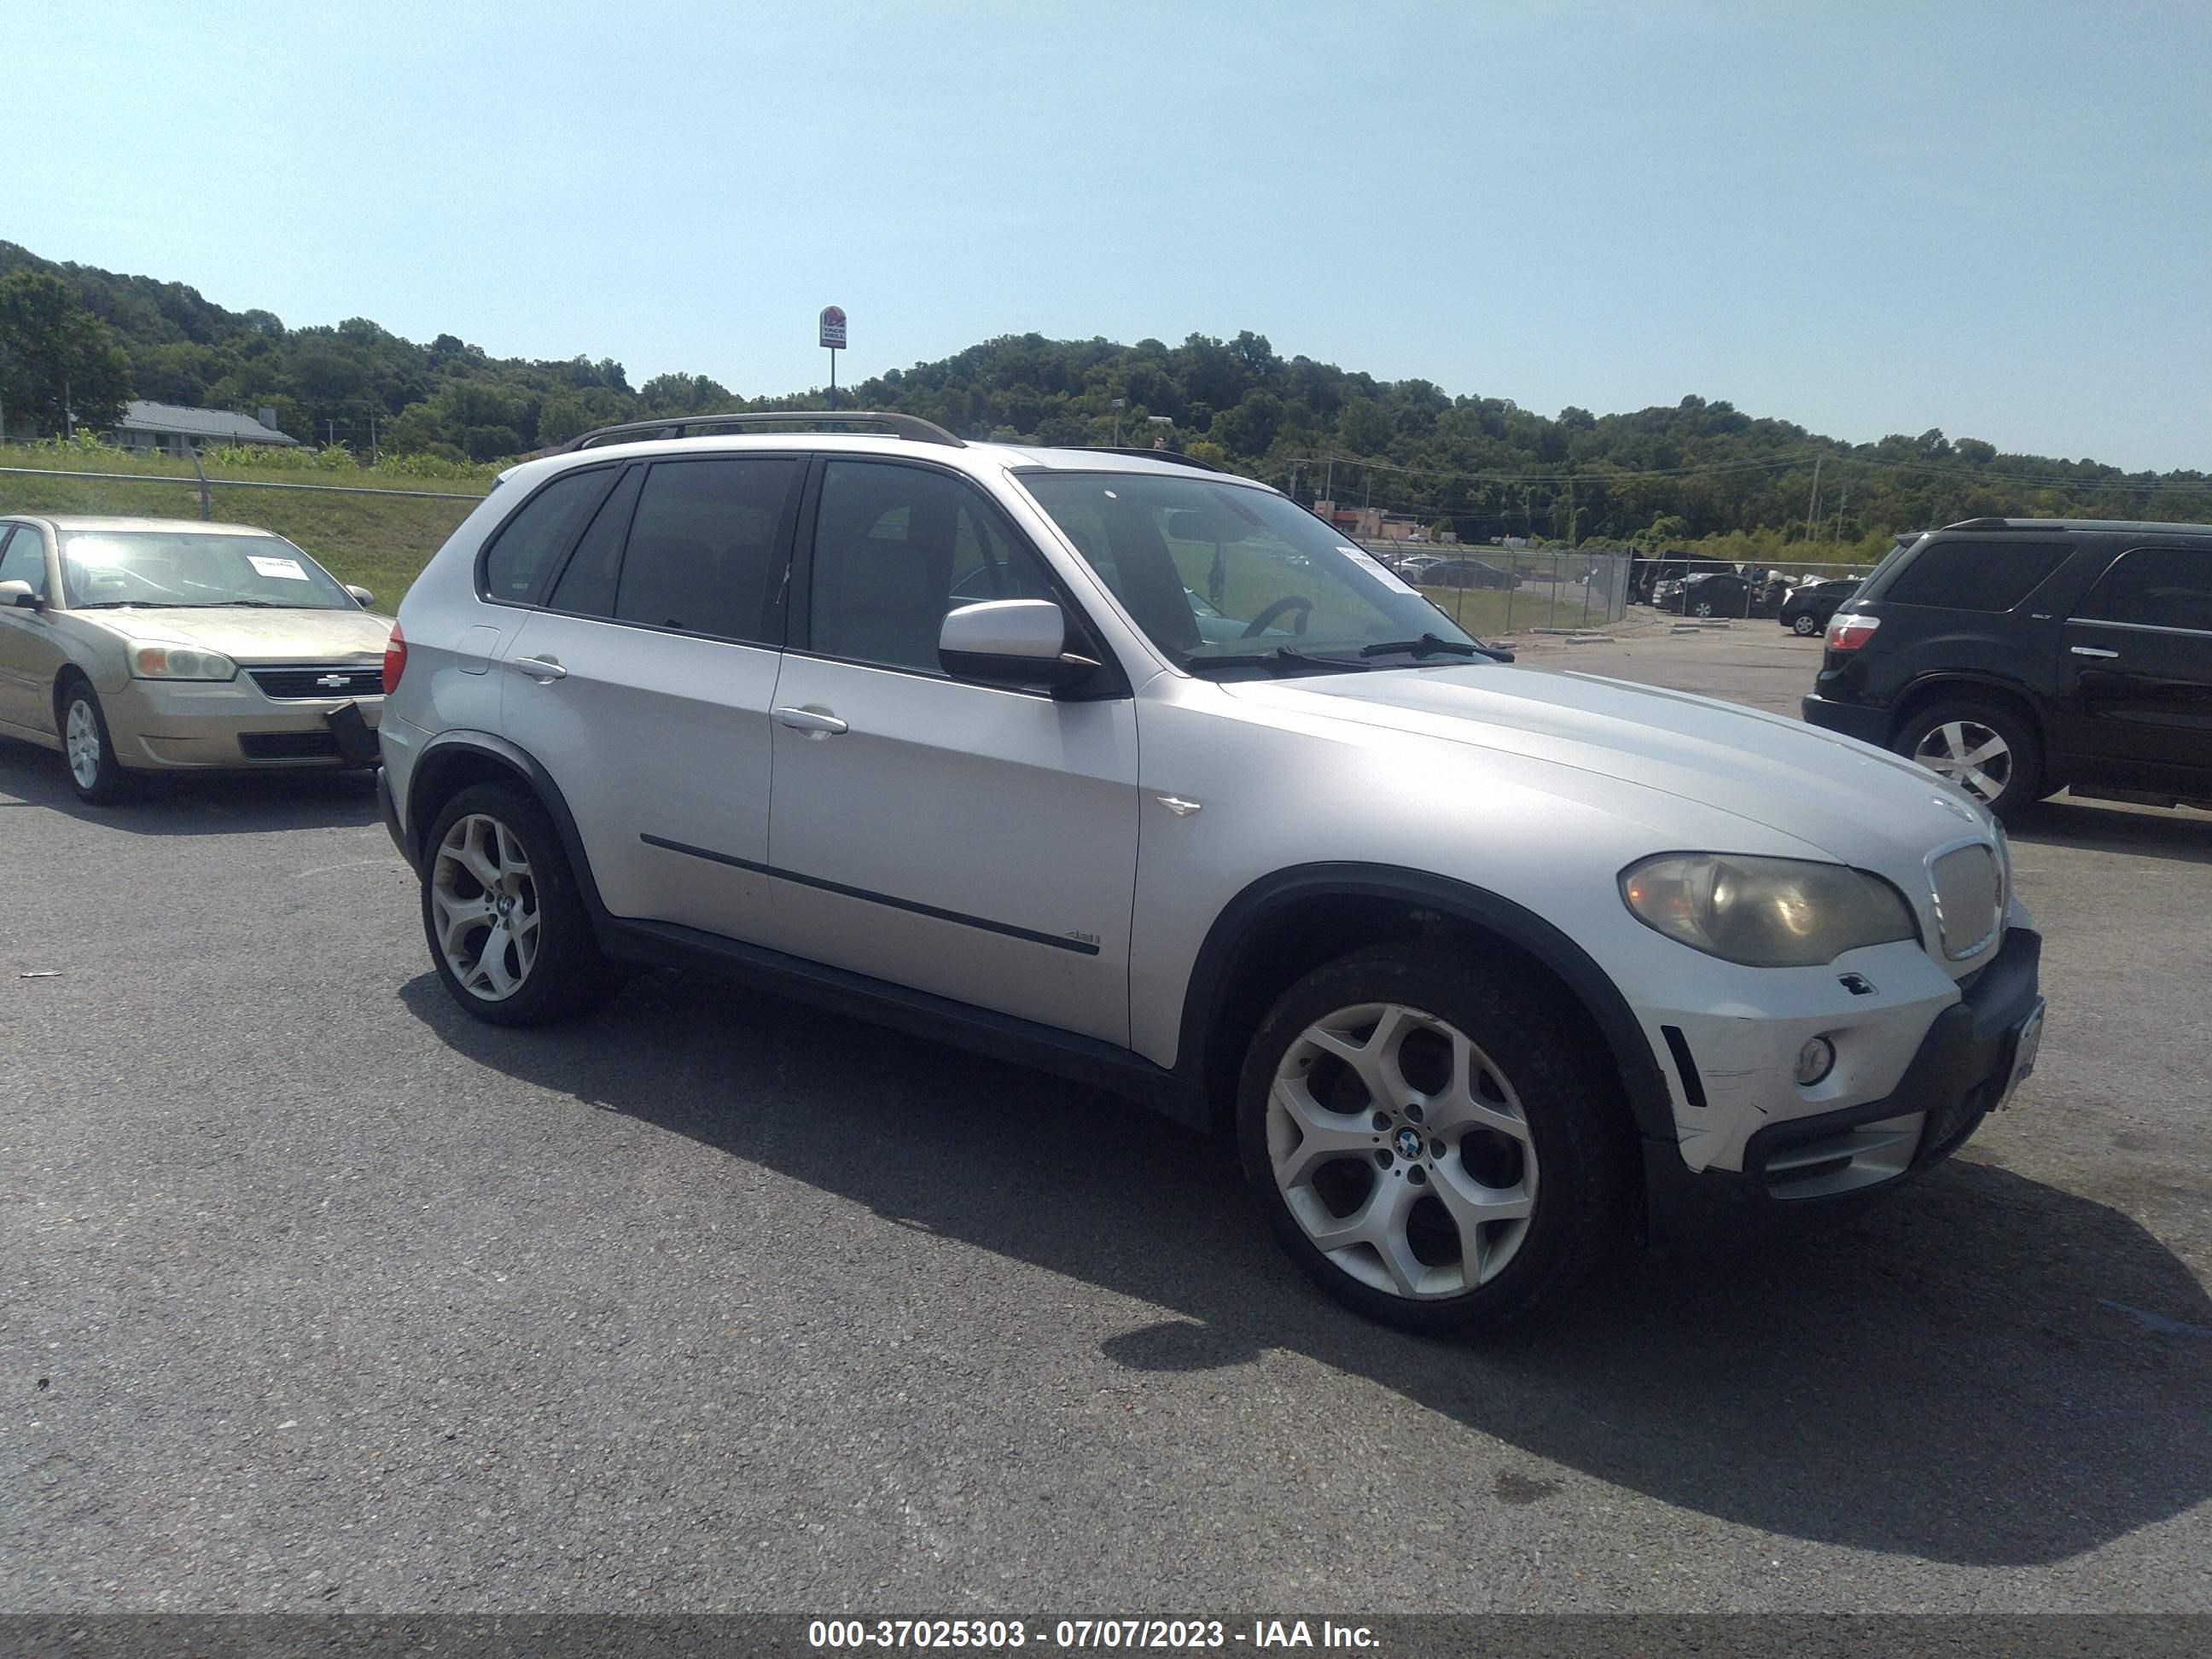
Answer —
(202, 483)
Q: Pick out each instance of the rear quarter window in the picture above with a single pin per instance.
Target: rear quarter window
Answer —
(1987, 576)
(529, 546)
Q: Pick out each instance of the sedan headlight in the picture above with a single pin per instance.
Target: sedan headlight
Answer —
(171, 662)
(1764, 913)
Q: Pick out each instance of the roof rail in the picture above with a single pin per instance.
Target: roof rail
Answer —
(904, 425)
(1174, 455)
(2004, 524)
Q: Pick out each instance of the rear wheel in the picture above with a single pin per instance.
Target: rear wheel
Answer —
(1705, 608)
(1804, 626)
(504, 915)
(1982, 747)
(94, 772)
(1430, 1140)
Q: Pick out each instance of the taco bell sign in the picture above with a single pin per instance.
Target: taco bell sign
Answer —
(833, 327)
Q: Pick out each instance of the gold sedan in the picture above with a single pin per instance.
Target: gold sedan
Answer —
(134, 646)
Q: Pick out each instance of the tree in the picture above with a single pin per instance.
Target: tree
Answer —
(59, 363)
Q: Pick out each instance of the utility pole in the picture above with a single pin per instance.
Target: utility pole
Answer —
(1294, 481)
(331, 430)
(1812, 503)
(1119, 403)
(69, 412)
(1570, 514)
(374, 455)
(1328, 488)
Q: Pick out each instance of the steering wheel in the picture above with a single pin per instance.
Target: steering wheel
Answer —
(1281, 607)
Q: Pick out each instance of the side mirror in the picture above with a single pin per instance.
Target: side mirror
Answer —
(1021, 643)
(18, 594)
(361, 596)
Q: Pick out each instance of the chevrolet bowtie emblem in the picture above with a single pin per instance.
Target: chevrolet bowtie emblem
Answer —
(335, 681)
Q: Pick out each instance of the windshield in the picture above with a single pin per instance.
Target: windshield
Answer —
(1222, 575)
(178, 568)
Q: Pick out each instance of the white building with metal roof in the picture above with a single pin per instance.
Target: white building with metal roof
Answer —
(169, 427)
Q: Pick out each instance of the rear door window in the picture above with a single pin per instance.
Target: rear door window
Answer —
(2154, 588)
(530, 545)
(703, 546)
(1975, 575)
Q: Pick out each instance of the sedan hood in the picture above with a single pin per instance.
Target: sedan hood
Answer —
(1853, 802)
(257, 636)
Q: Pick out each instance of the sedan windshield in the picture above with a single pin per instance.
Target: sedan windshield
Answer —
(115, 568)
(1223, 576)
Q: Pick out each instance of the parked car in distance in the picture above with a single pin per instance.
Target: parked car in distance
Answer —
(139, 646)
(1807, 606)
(1458, 573)
(1485, 971)
(1718, 593)
(2018, 657)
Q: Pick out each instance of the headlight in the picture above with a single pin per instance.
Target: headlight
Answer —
(1764, 913)
(170, 662)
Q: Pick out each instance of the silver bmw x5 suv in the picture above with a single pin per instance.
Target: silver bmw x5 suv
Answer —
(1135, 772)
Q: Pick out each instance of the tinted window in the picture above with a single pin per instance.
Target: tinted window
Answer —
(587, 586)
(702, 545)
(531, 543)
(2154, 587)
(23, 559)
(896, 547)
(1975, 575)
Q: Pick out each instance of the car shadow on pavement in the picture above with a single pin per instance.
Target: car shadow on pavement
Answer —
(1986, 1370)
(2097, 827)
(215, 804)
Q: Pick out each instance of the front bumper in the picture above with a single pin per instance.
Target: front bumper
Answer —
(165, 725)
(1853, 719)
(1815, 1170)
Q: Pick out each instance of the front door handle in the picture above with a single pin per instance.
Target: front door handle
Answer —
(544, 670)
(2092, 650)
(812, 722)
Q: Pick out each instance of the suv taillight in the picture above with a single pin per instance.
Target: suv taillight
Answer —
(1848, 631)
(395, 659)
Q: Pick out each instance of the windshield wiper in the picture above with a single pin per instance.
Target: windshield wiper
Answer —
(1430, 645)
(1282, 657)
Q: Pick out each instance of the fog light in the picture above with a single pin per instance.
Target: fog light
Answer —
(1815, 1061)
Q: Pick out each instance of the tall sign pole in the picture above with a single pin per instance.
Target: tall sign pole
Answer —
(833, 341)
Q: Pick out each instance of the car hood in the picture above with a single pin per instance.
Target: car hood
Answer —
(256, 635)
(1855, 803)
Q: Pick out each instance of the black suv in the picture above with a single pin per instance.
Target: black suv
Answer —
(2022, 656)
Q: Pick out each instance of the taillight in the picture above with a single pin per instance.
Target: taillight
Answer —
(1848, 631)
(395, 659)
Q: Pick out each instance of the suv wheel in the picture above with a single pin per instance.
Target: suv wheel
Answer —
(95, 773)
(1804, 625)
(503, 914)
(1983, 748)
(1705, 608)
(1430, 1139)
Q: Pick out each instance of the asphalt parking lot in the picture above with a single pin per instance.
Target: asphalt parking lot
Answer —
(316, 1295)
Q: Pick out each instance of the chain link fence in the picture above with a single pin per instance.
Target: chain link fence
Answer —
(1497, 591)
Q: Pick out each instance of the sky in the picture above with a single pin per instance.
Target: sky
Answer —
(1866, 218)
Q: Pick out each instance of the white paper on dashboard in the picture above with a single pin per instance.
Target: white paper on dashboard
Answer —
(288, 569)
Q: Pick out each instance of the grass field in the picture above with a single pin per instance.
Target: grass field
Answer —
(379, 542)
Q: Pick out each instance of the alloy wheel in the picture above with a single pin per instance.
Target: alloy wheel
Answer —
(1970, 754)
(1402, 1152)
(80, 743)
(1804, 625)
(483, 902)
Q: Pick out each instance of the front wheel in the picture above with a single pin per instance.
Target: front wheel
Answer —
(504, 915)
(1704, 607)
(95, 773)
(1430, 1140)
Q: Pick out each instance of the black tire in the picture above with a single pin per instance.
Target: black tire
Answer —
(1804, 626)
(566, 974)
(109, 780)
(1577, 1131)
(2021, 783)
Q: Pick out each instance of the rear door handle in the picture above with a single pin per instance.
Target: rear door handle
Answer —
(812, 722)
(2092, 650)
(544, 670)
